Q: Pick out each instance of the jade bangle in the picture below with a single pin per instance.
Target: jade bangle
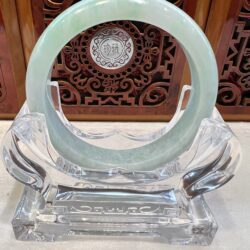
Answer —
(89, 13)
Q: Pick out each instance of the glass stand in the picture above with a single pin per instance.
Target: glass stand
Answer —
(62, 200)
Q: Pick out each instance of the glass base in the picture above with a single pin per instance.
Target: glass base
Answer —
(161, 216)
(62, 200)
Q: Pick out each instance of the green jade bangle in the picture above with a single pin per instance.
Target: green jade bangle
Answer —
(89, 13)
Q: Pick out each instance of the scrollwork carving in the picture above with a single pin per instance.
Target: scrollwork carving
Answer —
(52, 8)
(229, 94)
(69, 94)
(133, 84)
(154, 94)
(234, 86)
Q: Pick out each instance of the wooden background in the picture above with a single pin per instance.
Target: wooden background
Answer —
(148, 88)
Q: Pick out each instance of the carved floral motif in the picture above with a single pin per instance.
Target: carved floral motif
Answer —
(144, 80)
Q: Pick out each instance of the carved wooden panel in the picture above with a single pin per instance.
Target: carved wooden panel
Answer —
(145, 80)
(233, 55)
(144, 83)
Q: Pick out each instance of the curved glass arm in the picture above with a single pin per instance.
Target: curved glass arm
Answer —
(209, 162)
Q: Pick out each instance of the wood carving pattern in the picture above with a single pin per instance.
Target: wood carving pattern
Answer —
(150, 78)
(52, 8)
(145, 80)
(234, 86)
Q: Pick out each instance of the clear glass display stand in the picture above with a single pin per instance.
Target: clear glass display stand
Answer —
(62, 200)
